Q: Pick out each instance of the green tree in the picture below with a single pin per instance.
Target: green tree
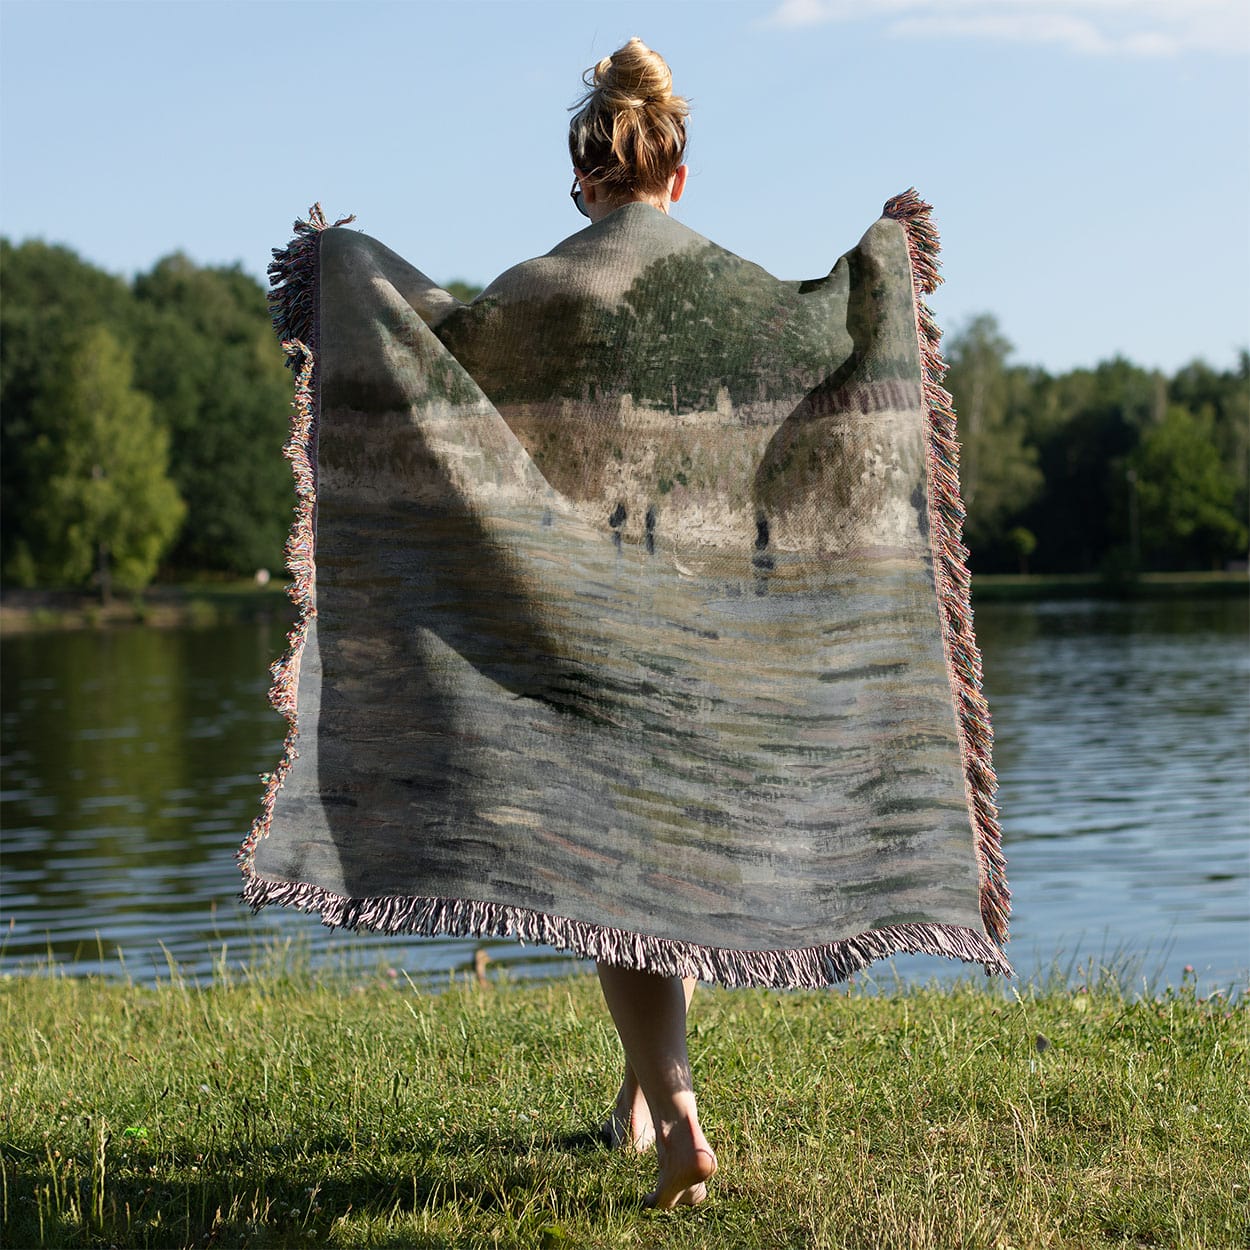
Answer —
(1023, 543)
(207, 356)
(1085, 424)
(1185, 495)
(105, 504)
(51, 299)
(1221, 397)
(998, 469)
(465, 292)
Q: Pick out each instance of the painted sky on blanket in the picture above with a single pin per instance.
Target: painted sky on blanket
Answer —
(1088, 158)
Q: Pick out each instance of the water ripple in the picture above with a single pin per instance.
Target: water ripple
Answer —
(131, 774)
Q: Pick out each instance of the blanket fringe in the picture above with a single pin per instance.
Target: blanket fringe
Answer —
(808, 968)
(950, 561)
(293, 304)
(293, 281)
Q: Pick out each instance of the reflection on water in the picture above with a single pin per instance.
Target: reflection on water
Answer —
(131, 759)
(131, 762)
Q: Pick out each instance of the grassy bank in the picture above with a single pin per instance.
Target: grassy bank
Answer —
(166, 606)
(211, 603)
(998, 587)
(284, 1110)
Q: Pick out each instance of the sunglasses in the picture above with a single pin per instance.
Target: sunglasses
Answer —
(576, 196)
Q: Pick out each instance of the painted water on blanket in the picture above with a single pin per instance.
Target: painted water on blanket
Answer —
(131, 757)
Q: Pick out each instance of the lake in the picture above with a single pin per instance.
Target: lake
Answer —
(130, 774)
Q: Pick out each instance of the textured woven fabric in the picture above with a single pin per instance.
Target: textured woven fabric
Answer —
(633, 615)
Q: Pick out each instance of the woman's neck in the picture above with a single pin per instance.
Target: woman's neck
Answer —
(601, 208)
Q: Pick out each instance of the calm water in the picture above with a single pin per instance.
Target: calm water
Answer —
(130, 762)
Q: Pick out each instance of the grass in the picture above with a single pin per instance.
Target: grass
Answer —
(290, 1109)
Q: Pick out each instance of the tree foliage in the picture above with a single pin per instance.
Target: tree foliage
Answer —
(998, 466)
(465, 292)
(1186, 491)
(207, 355)
(1078, 461)
(51, 300)
(219, 399)
(104, 503)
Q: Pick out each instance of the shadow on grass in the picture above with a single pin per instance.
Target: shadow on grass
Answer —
(264, 1196)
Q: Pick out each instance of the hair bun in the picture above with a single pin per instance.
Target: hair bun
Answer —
(629, 131)
(633, 77)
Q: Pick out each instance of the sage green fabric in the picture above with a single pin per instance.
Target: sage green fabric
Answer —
(626, 634)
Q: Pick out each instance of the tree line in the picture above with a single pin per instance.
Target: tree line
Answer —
(1113, 470)
(141, 423)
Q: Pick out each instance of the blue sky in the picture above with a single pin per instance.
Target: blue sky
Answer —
(1089, 160)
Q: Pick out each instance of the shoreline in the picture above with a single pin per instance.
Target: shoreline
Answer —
(174, 606)
(203, 604)
(1020, 587)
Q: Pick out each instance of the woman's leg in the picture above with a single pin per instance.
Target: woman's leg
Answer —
(650, 1015)
(629, 1123)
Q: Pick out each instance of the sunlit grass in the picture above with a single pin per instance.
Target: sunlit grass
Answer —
(277, 1107)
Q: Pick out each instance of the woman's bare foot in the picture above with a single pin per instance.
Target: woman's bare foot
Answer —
(629, 1126)
(686, 1165)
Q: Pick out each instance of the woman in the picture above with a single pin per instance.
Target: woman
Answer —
(633, 613)
(628, 141)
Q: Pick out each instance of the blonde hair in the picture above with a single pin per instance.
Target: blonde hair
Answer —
(629, 132)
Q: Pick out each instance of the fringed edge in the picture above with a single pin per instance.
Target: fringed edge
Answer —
(950, 563)
(293, 281)
(293, 303)
(807, 968)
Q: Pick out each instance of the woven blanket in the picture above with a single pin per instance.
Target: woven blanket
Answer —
(633, 615)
